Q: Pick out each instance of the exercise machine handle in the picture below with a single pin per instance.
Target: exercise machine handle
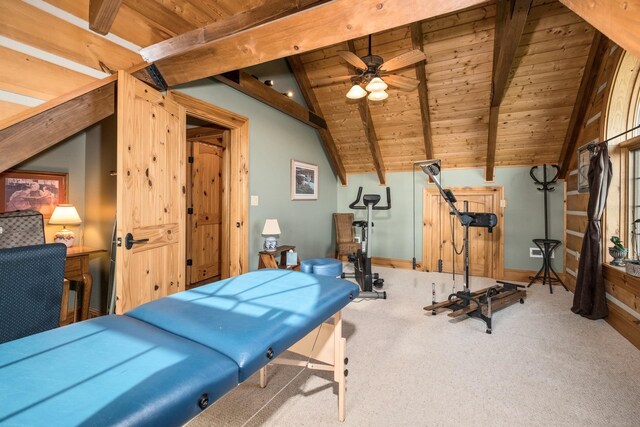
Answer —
(354, 204)
(388, 205)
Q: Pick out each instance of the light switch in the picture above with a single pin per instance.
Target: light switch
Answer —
(254, 200)
(503, 203)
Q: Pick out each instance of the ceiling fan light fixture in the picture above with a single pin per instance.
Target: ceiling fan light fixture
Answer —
(378, 95)
(356, 92)
(376, 85)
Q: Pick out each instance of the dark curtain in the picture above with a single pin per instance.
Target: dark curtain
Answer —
(590, 300)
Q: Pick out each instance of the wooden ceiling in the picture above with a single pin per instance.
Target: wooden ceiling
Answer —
(468, 44)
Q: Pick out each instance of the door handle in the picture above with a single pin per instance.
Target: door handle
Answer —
(129, 241)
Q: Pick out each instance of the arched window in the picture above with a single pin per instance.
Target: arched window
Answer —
(623, 113)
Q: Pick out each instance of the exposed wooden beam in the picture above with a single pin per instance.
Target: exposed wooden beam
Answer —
(297, 67)
(253, 87)
(324, 25)
(616, 19)
(32, 131)
(30, 25)
(587, 86)
(200, 37)
(26, 75)
(369, 129)
(511, 17)
(102, 13)
(417, 42)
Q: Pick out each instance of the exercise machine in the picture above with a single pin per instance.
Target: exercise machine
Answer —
(479, 304)
(362, 258)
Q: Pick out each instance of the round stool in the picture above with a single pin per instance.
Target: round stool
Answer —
(322, 266)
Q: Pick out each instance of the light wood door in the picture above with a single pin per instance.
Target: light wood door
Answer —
(485, 255)
(151, 194)
(205, 223)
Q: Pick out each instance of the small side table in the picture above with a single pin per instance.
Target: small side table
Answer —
(547, 246)
(77, 270)
(267, 259)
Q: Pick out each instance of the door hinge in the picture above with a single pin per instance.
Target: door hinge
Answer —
(190, 211)
(190, 159)
(189, 262)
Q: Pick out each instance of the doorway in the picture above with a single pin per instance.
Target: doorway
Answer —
(206, 144)
(440, 229)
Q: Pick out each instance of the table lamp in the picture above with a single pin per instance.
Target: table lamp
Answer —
(270, 231)
(65, 215)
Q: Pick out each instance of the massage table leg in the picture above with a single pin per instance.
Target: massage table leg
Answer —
(324, 344)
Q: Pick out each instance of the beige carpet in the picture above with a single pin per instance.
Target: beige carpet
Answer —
(542, 366)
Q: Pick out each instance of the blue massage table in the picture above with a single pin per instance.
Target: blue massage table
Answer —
(163, 362)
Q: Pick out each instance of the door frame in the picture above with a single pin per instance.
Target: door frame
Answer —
(234, 251)
(428, 225)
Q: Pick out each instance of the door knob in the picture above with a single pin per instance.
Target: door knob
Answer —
(129, 241)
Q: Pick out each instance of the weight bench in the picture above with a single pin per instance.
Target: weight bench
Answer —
(163, 362)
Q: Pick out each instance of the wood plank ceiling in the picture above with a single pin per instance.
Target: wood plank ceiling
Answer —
(533, 116)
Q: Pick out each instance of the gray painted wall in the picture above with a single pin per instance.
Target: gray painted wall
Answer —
(100, 157)
(393, 234)
(67, 156)
(274, 140)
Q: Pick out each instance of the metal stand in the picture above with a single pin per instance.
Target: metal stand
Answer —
(546, 245)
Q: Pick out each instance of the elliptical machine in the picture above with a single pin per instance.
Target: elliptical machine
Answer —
(362, 259)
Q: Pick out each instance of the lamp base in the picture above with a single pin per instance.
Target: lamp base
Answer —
(65, 236)
(270, 244)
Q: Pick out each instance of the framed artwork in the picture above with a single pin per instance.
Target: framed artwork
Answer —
(38, 191)
(304, 181)
(584, 159)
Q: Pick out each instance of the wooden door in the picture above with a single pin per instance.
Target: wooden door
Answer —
(205, 222)
(151, 194)
(485, 254)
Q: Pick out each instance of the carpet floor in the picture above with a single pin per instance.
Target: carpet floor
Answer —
(542, 366)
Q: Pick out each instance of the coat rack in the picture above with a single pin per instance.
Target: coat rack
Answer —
(546, 273)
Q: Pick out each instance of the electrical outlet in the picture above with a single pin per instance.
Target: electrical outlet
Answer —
(254, 200)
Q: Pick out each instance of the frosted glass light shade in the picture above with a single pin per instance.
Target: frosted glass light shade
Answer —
(271, 228)
(376, 85)
(356, 92)
(379, 95)
(65, 215)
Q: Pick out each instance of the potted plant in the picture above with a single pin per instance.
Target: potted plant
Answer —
(617, 251)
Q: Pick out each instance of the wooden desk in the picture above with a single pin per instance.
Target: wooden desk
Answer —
(267, 259)
(77, 269)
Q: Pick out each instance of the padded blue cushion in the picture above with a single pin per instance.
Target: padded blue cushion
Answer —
(112, 370)
(244, 316)
(322, 266)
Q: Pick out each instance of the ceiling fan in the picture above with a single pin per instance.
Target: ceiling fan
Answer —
(370, 71)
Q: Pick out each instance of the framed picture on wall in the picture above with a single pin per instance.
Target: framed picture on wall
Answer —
(38, 191)
(304, 181)
(584, 159)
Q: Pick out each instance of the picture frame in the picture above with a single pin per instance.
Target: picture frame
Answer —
(584, 160)
(304, 181)
(33, 190)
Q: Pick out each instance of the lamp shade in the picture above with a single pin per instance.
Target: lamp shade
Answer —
(376, 84)
(356, 92)
(271, 228)
(378, 95)
(65, 215)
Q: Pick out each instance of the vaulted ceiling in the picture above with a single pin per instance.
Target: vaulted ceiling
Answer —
(500, 82)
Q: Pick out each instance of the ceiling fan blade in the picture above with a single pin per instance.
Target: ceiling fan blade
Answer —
(352, 59)
(329, 80)
(401, 82)
(404, 60)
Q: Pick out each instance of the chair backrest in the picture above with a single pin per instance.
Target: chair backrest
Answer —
(31, 280)
(344, 227)
(21, 228)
